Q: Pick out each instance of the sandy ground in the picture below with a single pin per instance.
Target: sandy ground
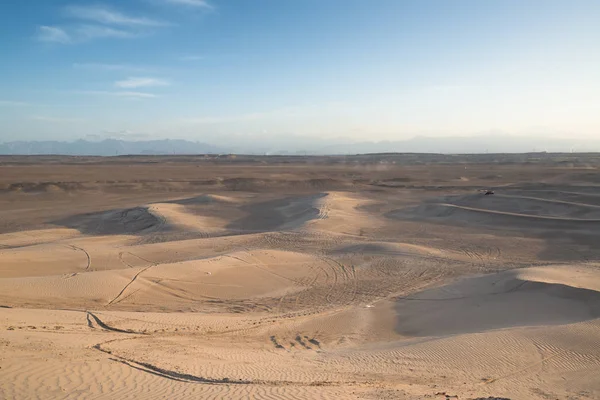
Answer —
(300, 278)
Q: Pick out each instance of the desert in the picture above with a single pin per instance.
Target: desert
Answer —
(383, 276)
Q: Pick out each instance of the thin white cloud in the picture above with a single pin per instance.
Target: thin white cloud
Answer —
(58, 120)
(137, 82)
(142, 95)
(11, 103)
(192, 58)
(53, 34)
(139, 95)
(81, 33)
(88, 32)
(108, 16)
(192, 3)
(110, 67)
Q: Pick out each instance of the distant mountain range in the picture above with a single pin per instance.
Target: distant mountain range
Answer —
(304, 145)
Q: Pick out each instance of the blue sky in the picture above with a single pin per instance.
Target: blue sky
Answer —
(365, 70)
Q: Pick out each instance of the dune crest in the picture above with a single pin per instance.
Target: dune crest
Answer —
(359, 277)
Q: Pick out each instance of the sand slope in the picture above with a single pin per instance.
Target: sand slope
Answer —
(306, 288)
(542, 296)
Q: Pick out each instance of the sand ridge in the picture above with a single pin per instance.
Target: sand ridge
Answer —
(324, 281)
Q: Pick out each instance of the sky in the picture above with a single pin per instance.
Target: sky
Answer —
(214, 70)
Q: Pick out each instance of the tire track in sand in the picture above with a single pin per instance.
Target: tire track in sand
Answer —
(89, 258)
(153, 264)
(513, 214)
(104, 326)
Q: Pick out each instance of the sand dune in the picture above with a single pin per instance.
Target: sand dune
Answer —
(207, 199)
(339, 213)
(69, 255)
(401, 249)
(114, 222)
(29, 238)
(506, 212)
(308, 282)
(175, 216)
(520, 215)
(39, 260)
(280, 214)
(503, 300)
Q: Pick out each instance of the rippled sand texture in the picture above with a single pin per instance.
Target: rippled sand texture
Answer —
(366, 277)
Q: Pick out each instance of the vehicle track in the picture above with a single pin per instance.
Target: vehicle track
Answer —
(104, 326)
(121, 253)
(89, 258)
(568, 203)
(512, 214)
(129, 284)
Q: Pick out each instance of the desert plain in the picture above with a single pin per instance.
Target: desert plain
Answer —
(390, 276)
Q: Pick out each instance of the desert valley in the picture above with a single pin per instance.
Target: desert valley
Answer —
(391, 276)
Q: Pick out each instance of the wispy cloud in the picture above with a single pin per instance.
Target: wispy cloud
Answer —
(192, 3)
(11, 103)
(16, 103)
(192, 58)
(139, 95)
(53, 34)
(58, 120)
(96, 22)
(137, 82)
(108, 16)
(80, 33)
(88, 32)
(110, 67)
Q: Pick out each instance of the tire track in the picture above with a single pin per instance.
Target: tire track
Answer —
(89, 258)
(569, 203)
(513, 214)
(129, 284)
(105, 326)
(189, 378)
(348, 278)
(121, 253)
(537, 364)
(260, 265)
